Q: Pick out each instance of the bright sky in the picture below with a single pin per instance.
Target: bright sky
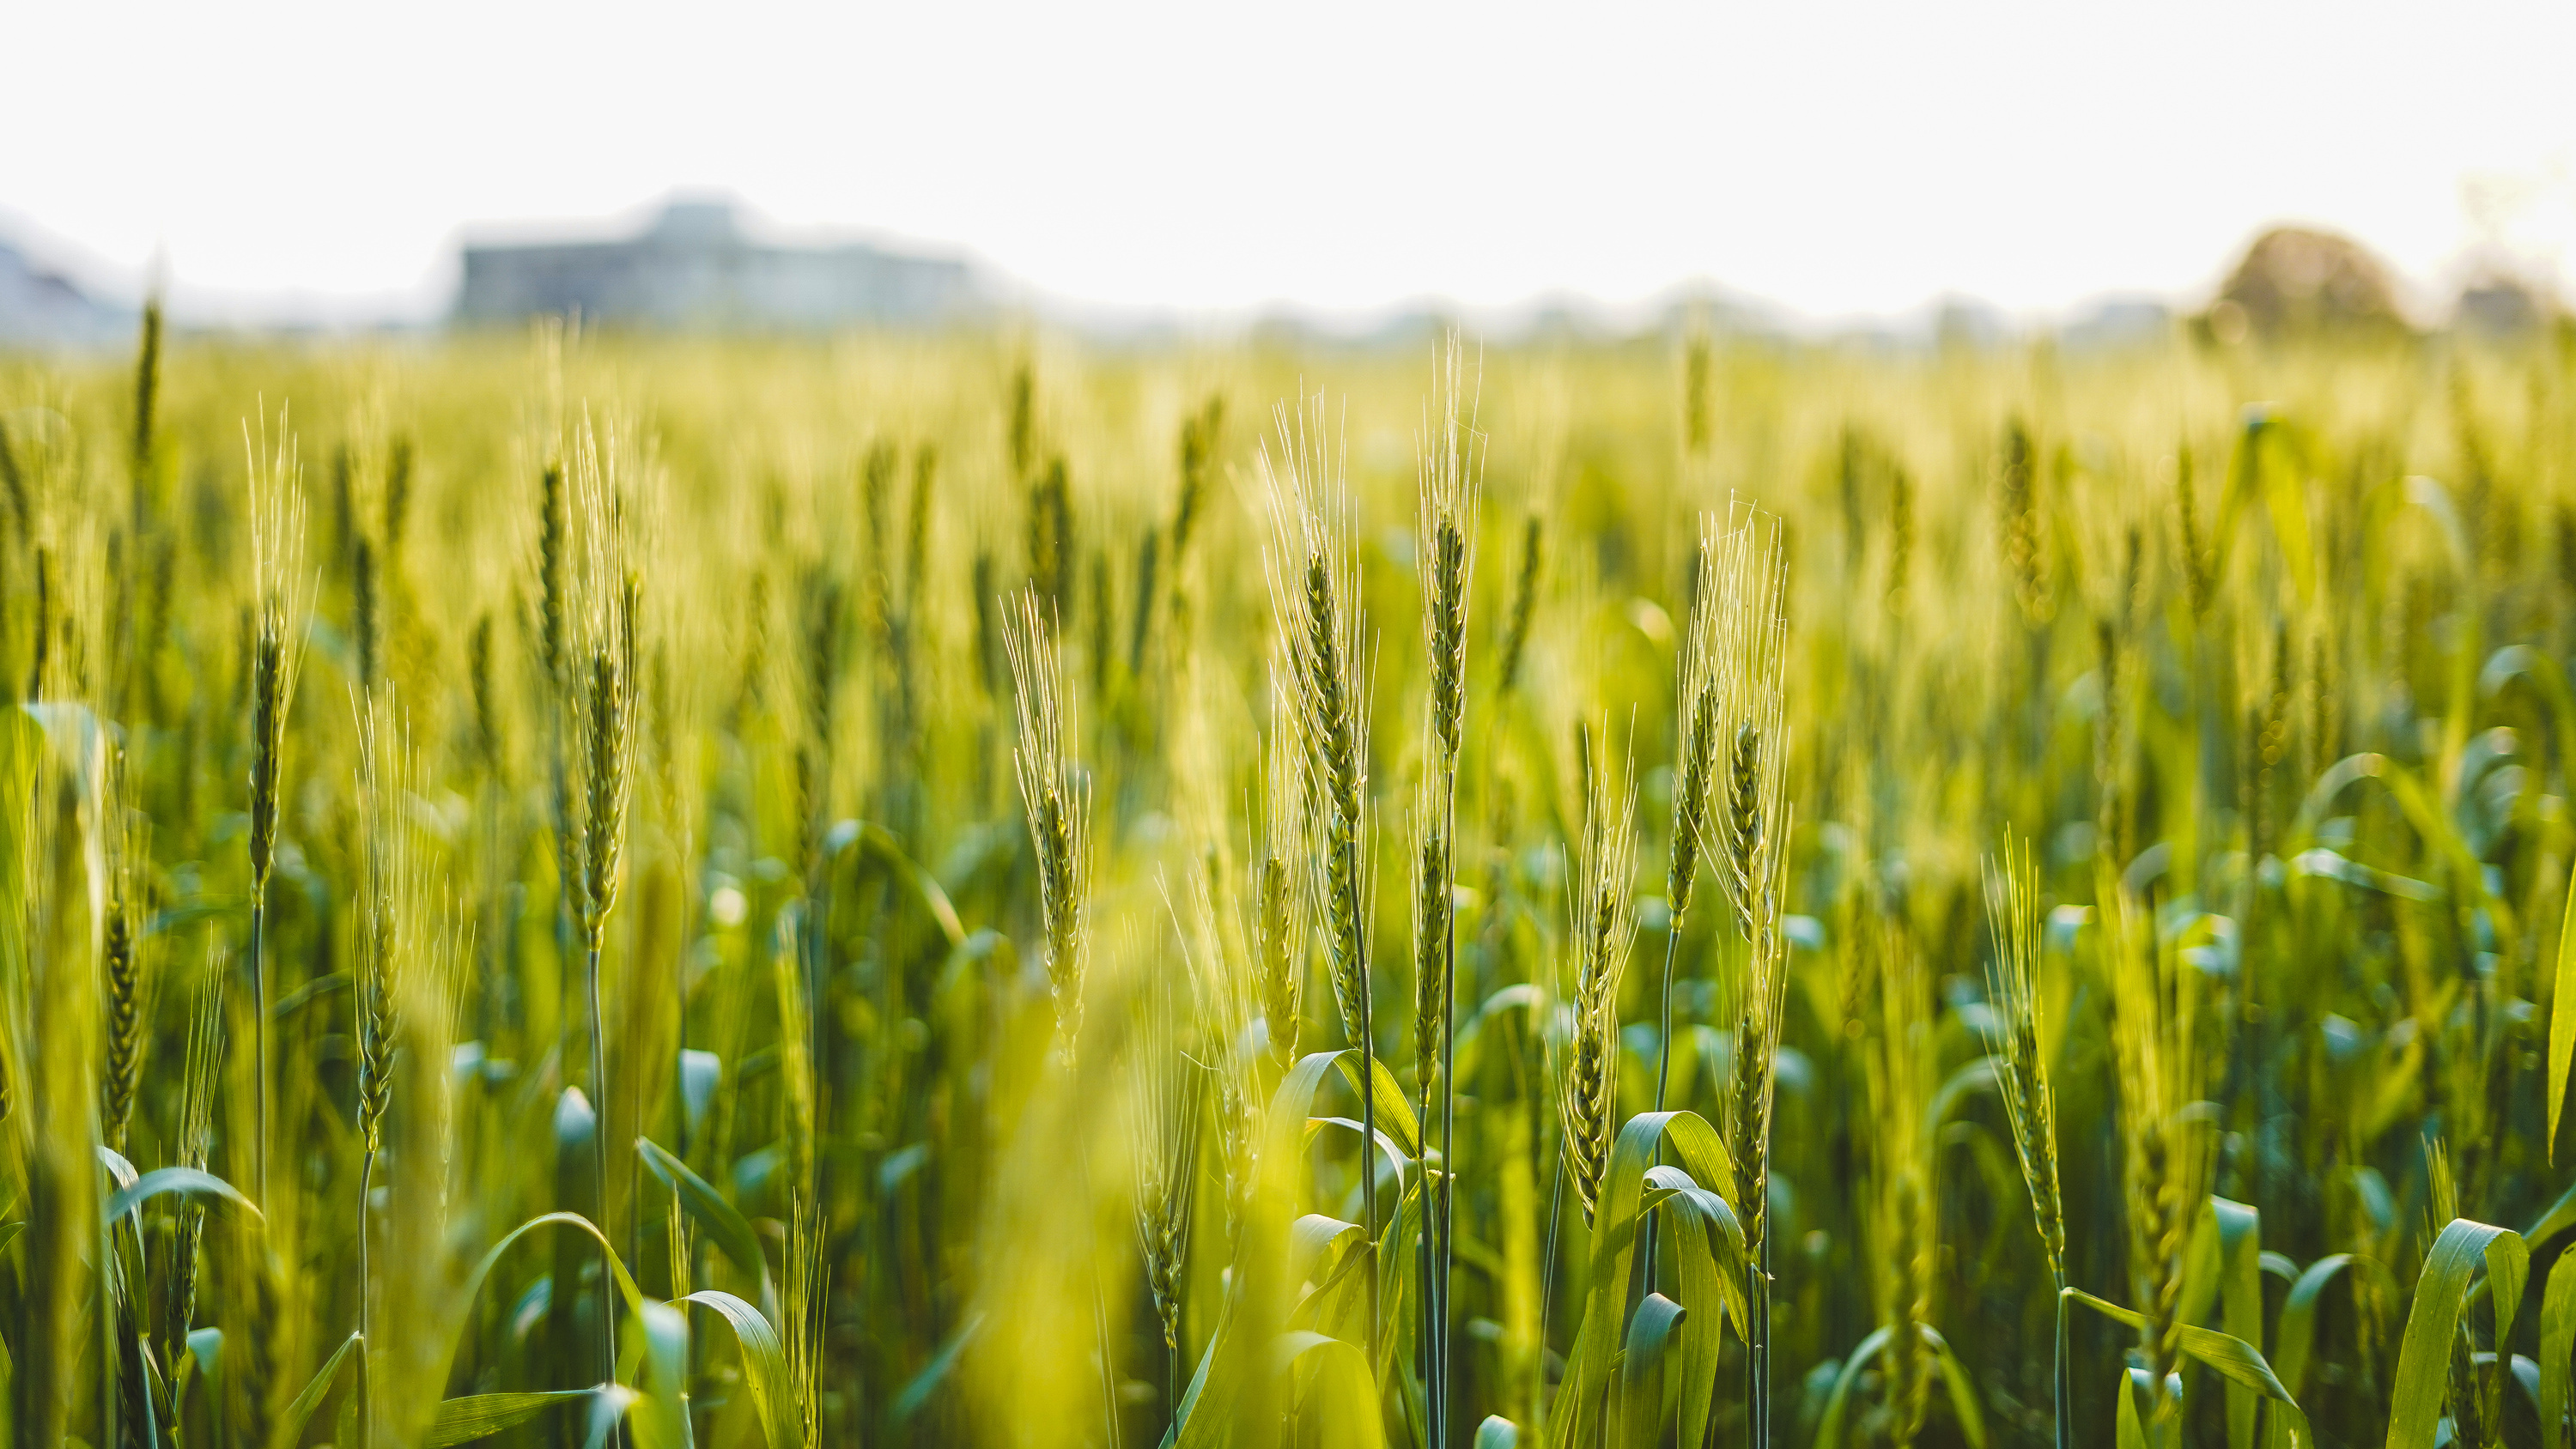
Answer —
(1833, 158)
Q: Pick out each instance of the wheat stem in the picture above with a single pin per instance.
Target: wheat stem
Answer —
(366, 1389)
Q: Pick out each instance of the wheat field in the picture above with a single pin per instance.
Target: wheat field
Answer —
(580, 889)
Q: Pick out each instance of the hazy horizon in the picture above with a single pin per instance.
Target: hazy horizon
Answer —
(1847, 162)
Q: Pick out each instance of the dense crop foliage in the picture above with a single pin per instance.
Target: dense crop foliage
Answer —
(598, 890)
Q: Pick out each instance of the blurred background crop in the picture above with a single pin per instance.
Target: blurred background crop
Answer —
(1849, 168)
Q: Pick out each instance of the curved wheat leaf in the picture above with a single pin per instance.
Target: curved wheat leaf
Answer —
(300, 1412)
(2232, 1358)
(2295, 1337)
(764, 1364)
(2441, 1292)
(185, 1181)
(1644, 1402)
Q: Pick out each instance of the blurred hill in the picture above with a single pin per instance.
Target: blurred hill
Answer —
(41, 307)
(2294, 280)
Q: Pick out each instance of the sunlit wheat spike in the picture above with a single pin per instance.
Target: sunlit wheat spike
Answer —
(1601, 930)
(282, 593)
(597, 687)
(802, 1299)
(1056, 798)
(366, 613)
(147, 387)
(13, 480)
(2197, 584)
(1451, 480)
(2012, 982)
(1166, 1106)
(398, 485)
(609, 744)
(1750, 645)
(554, 570)
(822, 672)
(1698, 699)
(1434, 910)
(390, 896)
(41, 640)
(1697, 428)
(1051, 543)
(125, 958)
(1022, 421)
(2442, 1186)
(2109, 747)
(790, 987)
(1313, 573)
(1201, 432)
(1900, 539)
(916, 547)
(1149, 555)
(1283, 921)
(1761, 994)
(2022, 522)
(877, 470)
(201, 1080)
(1525, 582)
(485, 690)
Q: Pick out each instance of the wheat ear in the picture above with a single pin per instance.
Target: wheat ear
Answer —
(283, 592)
(1282, 922)
(1166, 1106)
(2012, 983)
(1314, 591)
(125, 959)
(1058, 801)
(1602, 929)
(203, 1076)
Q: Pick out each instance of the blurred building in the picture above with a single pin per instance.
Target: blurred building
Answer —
(694, 267)
(2500, 304)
